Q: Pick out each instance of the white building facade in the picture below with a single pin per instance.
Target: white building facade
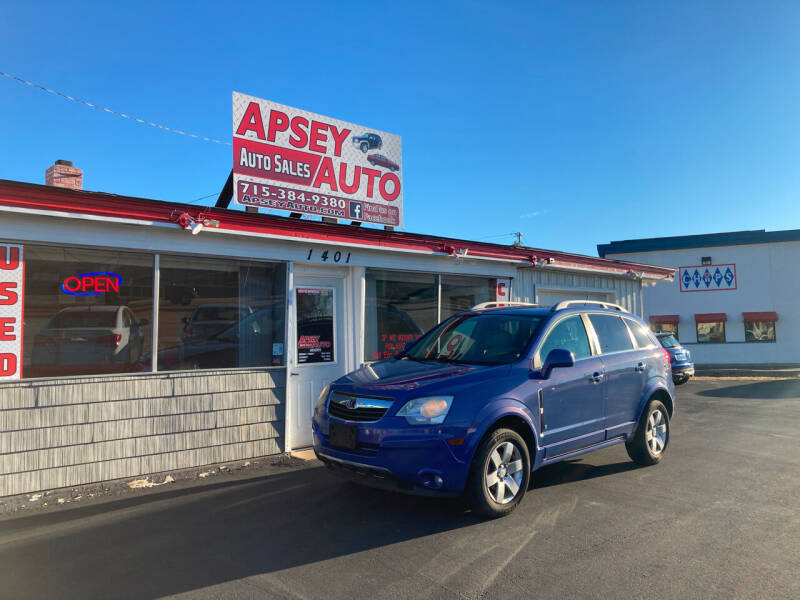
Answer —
(734, 299)
(133, 342)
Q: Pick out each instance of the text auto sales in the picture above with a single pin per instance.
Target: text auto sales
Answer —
(316, 137)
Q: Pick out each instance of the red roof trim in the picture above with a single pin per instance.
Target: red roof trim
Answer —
(760, 317)
(710, 318)
(671, 319)
(98, 204)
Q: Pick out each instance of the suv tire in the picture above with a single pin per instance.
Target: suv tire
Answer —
(364, 147)
(501, 463)
(652, 435)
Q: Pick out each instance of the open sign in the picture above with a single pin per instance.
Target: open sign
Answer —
(91, 284)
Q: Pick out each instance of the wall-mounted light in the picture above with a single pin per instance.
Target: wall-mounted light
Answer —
(195, 225)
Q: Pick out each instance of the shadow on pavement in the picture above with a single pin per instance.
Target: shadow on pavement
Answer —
(180, 540)
(764, 390)
(576, 470)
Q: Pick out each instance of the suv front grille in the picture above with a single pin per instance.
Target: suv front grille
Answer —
(356, 408)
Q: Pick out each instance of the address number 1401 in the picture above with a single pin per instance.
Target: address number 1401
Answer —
(336, 256)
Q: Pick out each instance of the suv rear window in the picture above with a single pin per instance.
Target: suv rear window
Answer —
(612, 333)
(643, 339)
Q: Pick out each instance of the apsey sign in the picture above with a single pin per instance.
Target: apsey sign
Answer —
(12, 295)
(289, 159)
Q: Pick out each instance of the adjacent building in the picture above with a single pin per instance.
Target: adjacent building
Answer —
(734, 299)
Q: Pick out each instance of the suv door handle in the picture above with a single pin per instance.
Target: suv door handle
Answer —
(596, 377)
(639, 367)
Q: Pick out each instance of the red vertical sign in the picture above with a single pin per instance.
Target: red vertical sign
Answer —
(503, 291)
(12, 296)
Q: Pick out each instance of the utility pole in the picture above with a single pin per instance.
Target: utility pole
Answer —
(518, 243)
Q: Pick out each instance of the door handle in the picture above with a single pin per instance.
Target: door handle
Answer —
(294, 374)
(596, 377)
(639, 367)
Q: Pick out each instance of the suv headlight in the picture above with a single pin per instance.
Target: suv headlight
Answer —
(323, 396)
(431, 410)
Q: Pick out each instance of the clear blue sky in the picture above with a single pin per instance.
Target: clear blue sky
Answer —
(576, 123)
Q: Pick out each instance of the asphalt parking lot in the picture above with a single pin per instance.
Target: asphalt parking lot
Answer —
(718, 518)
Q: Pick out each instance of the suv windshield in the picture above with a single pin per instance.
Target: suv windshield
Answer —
(668, 341)
(485, 339)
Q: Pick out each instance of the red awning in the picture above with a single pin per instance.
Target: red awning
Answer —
(672, 319)
(763, 317)
(710, 317)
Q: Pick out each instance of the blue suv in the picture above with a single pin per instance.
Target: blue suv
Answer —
(491, 394)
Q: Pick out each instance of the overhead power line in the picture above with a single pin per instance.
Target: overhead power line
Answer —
(111, 111)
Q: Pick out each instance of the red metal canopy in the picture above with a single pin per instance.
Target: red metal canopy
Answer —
(97, 205)
(671, 319)
(762, 317)
(710, 317)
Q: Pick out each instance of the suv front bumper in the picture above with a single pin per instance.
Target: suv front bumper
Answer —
(404, 460)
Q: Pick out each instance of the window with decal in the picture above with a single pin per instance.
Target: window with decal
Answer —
(315, 326)
(711, 332)
(400, 307)
(759, 331)
(665, 328)
(86, 311)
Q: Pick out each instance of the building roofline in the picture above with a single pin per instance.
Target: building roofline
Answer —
(708, 240)
(17, 195)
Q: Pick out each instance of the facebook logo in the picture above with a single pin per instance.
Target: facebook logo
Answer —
(355, 210)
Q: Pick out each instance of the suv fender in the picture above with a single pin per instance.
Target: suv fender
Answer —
(496, 411)
(656, 388)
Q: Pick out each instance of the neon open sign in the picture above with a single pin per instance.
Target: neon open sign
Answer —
(91, 284)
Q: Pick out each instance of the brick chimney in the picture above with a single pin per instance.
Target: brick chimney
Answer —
(63, 174)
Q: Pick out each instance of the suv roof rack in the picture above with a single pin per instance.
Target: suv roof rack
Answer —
(485, 305)
(568, 303)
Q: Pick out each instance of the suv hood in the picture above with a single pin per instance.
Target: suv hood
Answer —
(404, 375)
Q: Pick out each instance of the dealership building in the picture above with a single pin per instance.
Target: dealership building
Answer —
(734, 299)
(133, 342)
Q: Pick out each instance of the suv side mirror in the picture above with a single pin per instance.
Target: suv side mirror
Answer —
(557, 359)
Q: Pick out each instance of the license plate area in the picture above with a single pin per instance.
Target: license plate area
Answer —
(343, 436)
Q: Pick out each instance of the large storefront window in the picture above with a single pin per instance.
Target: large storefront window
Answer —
(399, 308)
(216, 314)
(461, 293)
(86, 311)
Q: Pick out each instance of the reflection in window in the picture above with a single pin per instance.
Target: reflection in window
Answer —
(568, 334)
(643, 339)
(759, 331)
(709, 333)
(611, 333)
(461, 293)
(399, 308)
(216, 314)
(86, 311)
